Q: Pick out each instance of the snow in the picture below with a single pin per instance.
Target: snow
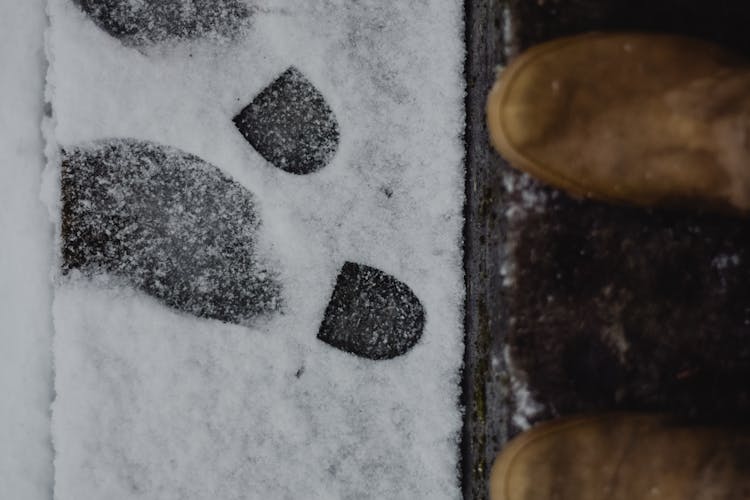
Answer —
(153, 402)
(25, 260)
(526, 407)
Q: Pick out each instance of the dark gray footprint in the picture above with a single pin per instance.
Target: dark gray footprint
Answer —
(372, 314)
(146, 22)
(168, 223)
(291, 125)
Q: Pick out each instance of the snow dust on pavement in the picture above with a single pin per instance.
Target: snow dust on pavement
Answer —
(25, 260)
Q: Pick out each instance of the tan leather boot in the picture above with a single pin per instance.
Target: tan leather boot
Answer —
(629, 118)
(623, 457)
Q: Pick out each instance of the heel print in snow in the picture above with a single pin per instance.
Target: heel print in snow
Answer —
(168, 223)
(146, 22)
(372, 314)
(291, 125)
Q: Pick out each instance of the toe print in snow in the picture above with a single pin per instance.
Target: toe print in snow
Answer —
(372, 314)
(168, 223)
(291, 125)
(144, 22)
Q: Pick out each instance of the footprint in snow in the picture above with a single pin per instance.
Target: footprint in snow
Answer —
(175, 227)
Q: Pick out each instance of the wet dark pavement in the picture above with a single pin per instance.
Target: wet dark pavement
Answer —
(594, 307)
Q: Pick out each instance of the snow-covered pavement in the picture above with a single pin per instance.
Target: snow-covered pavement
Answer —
(256, 268)
(25, 260)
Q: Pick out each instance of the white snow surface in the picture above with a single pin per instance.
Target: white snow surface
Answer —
(25, 260)
(152, 403)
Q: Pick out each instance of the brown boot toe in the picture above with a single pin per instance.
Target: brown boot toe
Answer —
(623, 457)
(629, 118)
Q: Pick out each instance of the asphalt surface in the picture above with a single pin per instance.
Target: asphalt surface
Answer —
(595, 307)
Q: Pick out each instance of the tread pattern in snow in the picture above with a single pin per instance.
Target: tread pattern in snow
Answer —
(167, 223)
(372, 314)
(146, 22)
(291, 125)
